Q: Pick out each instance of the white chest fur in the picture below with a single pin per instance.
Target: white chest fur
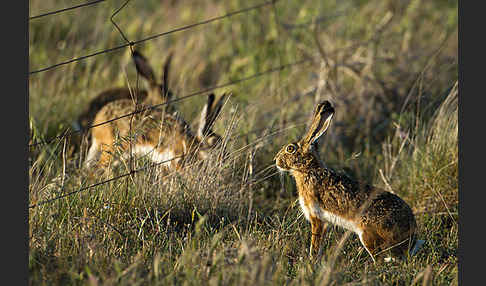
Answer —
(312, 209)
(304, 208)
(154, 154)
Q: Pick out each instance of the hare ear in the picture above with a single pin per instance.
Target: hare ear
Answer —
(143, 67)
(216, 109)
(320, 122)
(209, 114)
(165, 76)
(204, 115)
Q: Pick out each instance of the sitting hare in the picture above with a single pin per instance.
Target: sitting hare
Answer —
(382, 220)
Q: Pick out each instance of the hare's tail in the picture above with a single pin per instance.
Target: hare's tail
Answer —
(416, 248)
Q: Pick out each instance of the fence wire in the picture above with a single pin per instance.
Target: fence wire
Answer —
(230, 14)
(66, 9)
(132, 172)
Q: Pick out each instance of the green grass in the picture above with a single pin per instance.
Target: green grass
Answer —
(391, 72)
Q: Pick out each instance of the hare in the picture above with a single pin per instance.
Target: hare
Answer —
(156, 133)
(382, 220)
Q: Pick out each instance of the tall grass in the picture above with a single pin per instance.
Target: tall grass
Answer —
(390, 69)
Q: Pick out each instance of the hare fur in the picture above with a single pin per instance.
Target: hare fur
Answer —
(382, 220)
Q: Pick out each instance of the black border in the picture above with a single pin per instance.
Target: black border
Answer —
(471, 144)
(15, 48)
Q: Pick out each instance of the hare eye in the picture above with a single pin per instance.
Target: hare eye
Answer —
(290, 149)
(213, 140)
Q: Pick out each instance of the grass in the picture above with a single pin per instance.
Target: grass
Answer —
(389, 67)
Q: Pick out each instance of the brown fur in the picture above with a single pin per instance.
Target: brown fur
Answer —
(384, 219)
(156, 129)
(86, 118)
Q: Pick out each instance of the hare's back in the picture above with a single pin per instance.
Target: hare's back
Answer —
(121, 116)
(113, 95)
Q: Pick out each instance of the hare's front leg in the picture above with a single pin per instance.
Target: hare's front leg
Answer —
(317, 228)
(371, 242)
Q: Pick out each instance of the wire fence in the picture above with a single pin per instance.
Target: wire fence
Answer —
(128, 44)
(67, 132)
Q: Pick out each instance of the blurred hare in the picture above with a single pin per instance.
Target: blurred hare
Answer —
(382, 220)
(157, 132)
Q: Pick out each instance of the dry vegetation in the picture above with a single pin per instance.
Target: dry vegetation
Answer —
(389, 67)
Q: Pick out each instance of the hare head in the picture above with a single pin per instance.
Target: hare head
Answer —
(302, 155)
(159, 90)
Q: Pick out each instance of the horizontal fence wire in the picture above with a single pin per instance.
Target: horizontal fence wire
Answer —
(67, 133)
(66, 9)
(230, 14)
